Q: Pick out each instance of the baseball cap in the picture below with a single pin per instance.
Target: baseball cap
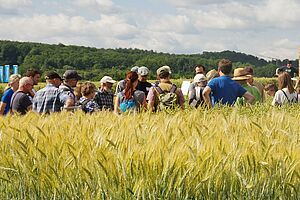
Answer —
(163, 69)
(135, 69)
(107, 79)
(199, 78)
(143, 71)
(71, 74)
(52, 75)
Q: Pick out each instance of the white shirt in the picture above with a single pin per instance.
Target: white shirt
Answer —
(280, 98)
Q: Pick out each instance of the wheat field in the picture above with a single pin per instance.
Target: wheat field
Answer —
(223, 153)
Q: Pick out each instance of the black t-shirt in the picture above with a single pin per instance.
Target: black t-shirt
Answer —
(19, 102)
(291, 70)
(144, 86)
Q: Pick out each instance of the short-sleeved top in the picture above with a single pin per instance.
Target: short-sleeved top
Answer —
(120, 86)
(280, 98)
(69, 91)
(225, 90)
(252, 90)
(90, 106)
(138, 96)
(6, 98)
(153, 94)
(144, 86)
(105, 99)
(49, 99)
(292, 71)
(20, 102)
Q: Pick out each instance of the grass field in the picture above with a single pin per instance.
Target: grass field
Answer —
(224, 153)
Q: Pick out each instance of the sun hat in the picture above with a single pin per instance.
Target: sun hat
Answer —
(212, 74)
(71, 74)
(143, 71)
(240, 74)
(107, 79)
(199, 78)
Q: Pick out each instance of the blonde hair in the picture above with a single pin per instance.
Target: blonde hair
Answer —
(12, 79)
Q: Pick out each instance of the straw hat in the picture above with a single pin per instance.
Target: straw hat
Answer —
(240, 74)
(212, 74)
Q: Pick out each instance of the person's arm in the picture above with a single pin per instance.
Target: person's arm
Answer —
(249, 97)
(117, 105)
(206, 96)
(180, 99)
(2, 107)
(151, 99)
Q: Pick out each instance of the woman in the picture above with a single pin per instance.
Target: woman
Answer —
(286, 93)
(195, 94)
(13, 86)
(87, 102)
(130, 99)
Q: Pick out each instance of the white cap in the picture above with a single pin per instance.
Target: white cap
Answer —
(107, 79)
(143, 71)
(135, 69)
(199, 78)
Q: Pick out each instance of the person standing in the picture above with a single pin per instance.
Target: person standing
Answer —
(104, 96)
(195, 95)
(255, 83)
(20, 102)
(13, 86)
(71, 79)
(50, 98)
(35, 75)
(143, 84)
(223, 89)
(199, 69)
(121, 84)
(292, 71)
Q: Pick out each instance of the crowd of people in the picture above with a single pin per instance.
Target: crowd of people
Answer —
(136, 94)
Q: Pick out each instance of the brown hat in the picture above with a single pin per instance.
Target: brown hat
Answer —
(212, 74)
(240, 74)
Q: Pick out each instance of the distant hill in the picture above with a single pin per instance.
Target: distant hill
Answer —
(93, 63)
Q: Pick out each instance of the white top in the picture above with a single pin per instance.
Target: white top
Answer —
(280, 98)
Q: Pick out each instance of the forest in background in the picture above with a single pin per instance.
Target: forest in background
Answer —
(93, 63)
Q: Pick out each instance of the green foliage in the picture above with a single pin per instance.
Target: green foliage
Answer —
(94, 63)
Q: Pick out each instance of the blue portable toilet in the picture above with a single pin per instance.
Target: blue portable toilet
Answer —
(6, 73)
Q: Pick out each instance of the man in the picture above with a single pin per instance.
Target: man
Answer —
(50, 98)
(143, 84)
(199, 69)
(289, 69)
(20, 102)
(70, 78)
(241, 76)
(164, 86)
(254, 83)
(121, 85)
(104, 96)
(35, 75)
(223, 89)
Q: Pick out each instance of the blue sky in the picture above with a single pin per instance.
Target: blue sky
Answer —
(268, 28)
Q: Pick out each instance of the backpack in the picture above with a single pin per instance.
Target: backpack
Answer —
(290, 101)
(83, 105)
(167, 99)
(127, 104)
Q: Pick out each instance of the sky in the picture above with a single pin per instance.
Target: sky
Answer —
(263, 28)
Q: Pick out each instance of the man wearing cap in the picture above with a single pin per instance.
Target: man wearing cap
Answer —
(224, 90)
(195, 95)
(104, 96)
(240, 75)
(143, 84)
(70, 78)
(199, 69)
(289, 69)
(121, 85)
(165, 85)
(51, 98)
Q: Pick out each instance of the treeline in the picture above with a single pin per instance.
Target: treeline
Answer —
(94, 63)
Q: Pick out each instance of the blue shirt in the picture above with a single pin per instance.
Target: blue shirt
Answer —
(49, 99)
(225, 91)
(6, 98)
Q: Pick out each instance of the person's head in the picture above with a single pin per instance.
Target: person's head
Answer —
(25, 84)
(163, 72)
(212, 74)
(77, 91)
(240, 75)
(143, 73)
(134, 69)
(289, 64)
(285, 81)
(88, 90)
(199, 69)
(200, 80)
(250, 71)
(107, 83)
(270, 89)
(225, 67)
(34, 74)
(14, 81)
(71, 78)
(53, 78)
(131, 83)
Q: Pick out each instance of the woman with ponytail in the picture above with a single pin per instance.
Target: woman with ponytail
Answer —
(130, 99)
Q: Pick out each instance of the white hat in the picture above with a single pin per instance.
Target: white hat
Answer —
(135, 69)
(107, 79)
(143, 71)
(199, 78)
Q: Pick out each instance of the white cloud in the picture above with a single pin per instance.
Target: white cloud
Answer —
(13, 4)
